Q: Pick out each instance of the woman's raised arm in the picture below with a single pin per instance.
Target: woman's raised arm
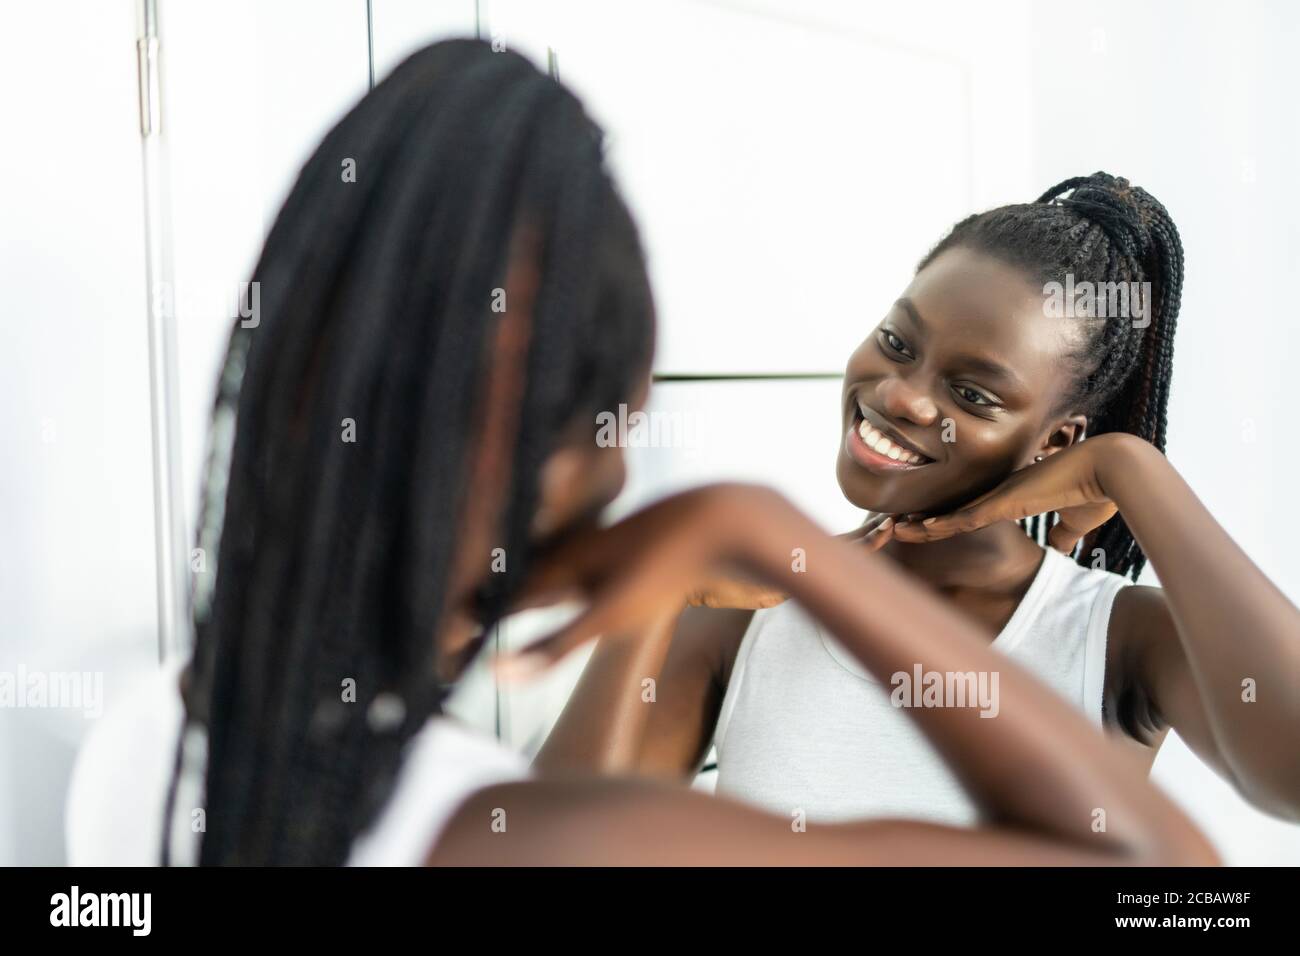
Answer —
(1052, 790)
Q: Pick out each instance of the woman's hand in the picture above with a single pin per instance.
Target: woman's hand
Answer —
(743, 592)
(876, 532)
(1067, 482)
(636, 572)
(740, 591)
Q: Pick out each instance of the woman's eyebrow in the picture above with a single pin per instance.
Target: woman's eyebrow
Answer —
(909, 308)
(976, 363)
(991, 369)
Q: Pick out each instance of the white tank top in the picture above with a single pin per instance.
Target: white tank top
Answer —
(804, 727)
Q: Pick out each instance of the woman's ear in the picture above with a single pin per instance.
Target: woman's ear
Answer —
(1065, 433)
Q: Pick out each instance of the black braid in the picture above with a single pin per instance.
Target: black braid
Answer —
(1099, 229)
(376, 305)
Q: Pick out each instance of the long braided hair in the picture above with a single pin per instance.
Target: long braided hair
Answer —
(1098, 229)
(379, 298)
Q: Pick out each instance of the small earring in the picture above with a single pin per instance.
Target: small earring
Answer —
(1038, 458)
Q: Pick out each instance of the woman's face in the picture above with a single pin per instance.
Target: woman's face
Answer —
(581, 477)
(955, 389)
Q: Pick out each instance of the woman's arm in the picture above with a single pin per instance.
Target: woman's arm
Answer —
(602, 725)
(1219, 623)
(1234, 629)
(638, 822)
(1052, 789)
(1038, 765)
(616, 722)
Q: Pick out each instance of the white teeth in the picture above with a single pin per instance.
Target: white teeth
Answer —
(883, 446)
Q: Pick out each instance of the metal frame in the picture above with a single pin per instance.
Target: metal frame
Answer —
(170, 550)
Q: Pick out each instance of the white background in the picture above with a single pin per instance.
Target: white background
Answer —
(789, 162)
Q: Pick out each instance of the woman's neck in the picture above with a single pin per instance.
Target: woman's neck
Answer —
(999, 559)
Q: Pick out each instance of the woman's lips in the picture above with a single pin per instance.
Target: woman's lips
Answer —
(875, 452)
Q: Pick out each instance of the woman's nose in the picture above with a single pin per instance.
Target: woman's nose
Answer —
(899, 399)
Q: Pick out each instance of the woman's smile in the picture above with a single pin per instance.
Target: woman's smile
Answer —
(876, 446)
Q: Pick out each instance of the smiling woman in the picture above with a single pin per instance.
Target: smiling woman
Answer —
(966, 369)
(976, 392)
(447, 388)
(369, 566)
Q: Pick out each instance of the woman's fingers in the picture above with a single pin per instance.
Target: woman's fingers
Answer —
(1074, 523)
(1063, 538)
(621, 611)
(647, 589)
(990, 508)
(943, 526)
(880, 535)
(539, 656)
(874, 532)
(860, 533)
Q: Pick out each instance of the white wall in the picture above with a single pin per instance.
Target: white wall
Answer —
(76, 512)
(1197, 102)
(789, 161)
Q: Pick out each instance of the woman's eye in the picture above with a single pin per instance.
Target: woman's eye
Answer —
(894, 342)
(973, 396)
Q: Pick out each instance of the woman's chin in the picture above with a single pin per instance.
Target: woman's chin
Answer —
(855, 485)
(868, 492)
